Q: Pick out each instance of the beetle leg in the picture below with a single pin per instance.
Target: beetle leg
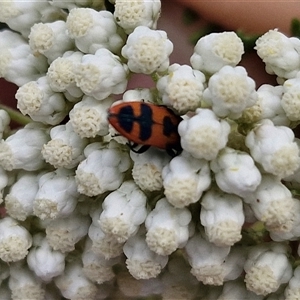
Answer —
(116, 134)
(133, 147)
(173, 150)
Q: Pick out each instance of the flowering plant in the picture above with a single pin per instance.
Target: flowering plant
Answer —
(86, 218)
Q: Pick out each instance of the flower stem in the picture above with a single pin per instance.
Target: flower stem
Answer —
(15, 115)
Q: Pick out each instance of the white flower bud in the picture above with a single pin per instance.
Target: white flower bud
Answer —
(101, 74)
(274, 148)
(272, 203)
(216, 50)
(147, 169)
(235, 172)
(22, 150)
(206, 260)
(61, 74)
(203, 135)
(37, 99)
(15, 240)
(234, 263)
(96, 267)
(103, 244)
(222, 217)
(147, 50)
(289, 230)
(50, 39)
(291, 98)
(185, 178)
(45, 262)
(167, 227)
(267, 267)
(131, 14)
(65, 149)
(268, 106)
(293, 181)
(103, 169)
(73, 284)
(124, 210)
(89, 117)
(230, 91)
(19, 200)
(142, 263)
(271, 105)
(280, 53)
(22, 15)
(64, 233)
(181, 88)
(93, 30)
(24, 284)
(57, 195)
(146, 94)
(293, 289)
(17, 63)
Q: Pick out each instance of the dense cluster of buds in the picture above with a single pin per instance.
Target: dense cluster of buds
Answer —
(83, 217)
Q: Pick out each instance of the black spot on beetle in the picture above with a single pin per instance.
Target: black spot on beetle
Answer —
(145, 121)
(168, 126)
(126, 118)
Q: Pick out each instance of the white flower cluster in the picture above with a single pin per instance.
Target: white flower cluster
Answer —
(83, 217)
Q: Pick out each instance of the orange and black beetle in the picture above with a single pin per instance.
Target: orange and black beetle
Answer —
(147, 124)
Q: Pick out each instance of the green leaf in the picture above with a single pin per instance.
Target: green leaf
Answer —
(295, 27)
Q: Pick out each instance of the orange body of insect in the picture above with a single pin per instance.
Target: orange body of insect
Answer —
(147, 124)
